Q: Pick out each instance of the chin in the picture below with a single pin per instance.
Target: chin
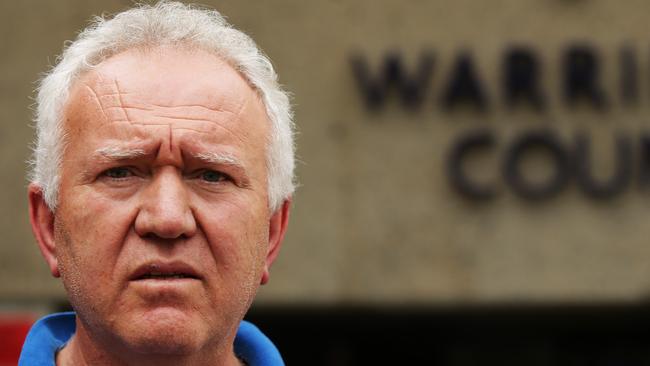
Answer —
(165, 345)
(166, 332)
(160, 346)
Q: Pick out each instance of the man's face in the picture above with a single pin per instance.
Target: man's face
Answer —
(162, 228)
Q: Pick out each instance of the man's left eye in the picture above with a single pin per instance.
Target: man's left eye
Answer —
(213, 176)
(118, 173)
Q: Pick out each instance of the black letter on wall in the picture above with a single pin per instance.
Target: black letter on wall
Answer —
(517, 151)
(520, 78)
(410, 88)
(463, 85)
(644, 162)
(581, 71)
(629, 75)
(473, 142)
(609, 187)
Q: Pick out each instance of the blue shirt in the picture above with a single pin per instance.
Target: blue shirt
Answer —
(52, 332)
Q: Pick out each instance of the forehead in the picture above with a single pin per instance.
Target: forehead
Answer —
(163, 85)
(174, 75)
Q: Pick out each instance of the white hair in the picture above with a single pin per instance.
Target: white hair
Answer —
(155, 25)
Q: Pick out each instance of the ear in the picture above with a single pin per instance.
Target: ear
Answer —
(277, 229)
(42, 220)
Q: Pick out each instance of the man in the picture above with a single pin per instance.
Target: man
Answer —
(160, 191)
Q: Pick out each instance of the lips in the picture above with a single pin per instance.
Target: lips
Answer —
(164, 271)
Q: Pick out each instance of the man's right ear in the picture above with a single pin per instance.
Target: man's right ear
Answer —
(42, 220)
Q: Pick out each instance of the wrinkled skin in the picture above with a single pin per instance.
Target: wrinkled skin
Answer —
(137, 192)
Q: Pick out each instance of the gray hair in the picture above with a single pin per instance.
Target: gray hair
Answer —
(153, 25)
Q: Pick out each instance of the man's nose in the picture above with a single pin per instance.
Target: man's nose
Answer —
(165, 210)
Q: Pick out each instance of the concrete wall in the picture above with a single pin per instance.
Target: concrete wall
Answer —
(375, 220)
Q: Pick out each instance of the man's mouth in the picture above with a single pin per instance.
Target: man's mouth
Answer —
(164, 276)
(164, 271)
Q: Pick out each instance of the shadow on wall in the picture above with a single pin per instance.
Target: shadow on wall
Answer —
(502, 335)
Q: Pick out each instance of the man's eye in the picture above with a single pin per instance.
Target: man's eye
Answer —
(213, 176)
(118, 173)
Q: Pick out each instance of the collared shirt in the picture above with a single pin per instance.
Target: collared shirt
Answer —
(52, 332)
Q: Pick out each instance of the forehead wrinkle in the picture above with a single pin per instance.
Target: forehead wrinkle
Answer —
(134, 101)
(95, 97)
(203, 126)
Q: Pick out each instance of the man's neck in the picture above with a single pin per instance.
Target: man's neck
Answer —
(67, 357)
(82, 351)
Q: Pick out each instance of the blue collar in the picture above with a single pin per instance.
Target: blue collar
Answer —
(52, 332)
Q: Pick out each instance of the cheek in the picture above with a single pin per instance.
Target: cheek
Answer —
(77, 265)
(237, 236)
(102, 214)
(90, 234)
(96, 229)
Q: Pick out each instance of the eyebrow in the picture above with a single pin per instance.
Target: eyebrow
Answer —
(219, 158)
(119, 153)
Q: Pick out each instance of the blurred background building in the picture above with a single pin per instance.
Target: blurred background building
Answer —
(475, 177)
